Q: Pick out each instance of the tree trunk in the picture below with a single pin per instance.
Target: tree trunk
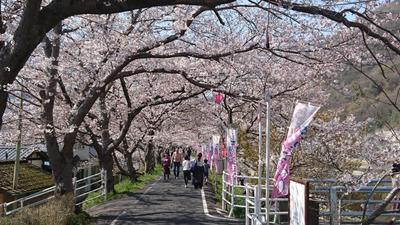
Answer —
(3, 104)
(149, 158)
(61, 162)
(107, 163)
(131, 168)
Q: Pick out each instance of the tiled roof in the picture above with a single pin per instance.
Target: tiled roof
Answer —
(31, 178)
(9, 153)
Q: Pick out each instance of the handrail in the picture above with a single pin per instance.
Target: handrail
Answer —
(323, 195)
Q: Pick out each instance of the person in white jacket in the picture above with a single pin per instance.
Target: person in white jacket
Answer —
(186, 165)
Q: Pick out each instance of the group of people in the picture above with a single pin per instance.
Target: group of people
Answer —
(195, 170)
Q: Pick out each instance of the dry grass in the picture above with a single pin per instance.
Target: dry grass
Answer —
(58, 211)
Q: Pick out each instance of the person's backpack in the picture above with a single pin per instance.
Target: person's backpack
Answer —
(193, 166)
(197, 168)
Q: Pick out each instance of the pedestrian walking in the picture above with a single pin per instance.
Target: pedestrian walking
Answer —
(186, 170)
(206, 169)
(177, 159)
(198, 172)
(166, 163)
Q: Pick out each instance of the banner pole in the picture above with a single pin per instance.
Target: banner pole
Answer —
(257, 200)
(267, 156)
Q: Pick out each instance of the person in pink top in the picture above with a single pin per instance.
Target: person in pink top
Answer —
(165, 163)
(177, 159)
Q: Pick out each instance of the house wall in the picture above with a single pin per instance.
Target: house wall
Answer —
(37, 163)
(82, 152)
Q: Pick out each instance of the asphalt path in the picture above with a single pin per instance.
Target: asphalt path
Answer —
(163, 203)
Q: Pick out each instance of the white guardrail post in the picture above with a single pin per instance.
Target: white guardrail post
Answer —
(333, 205)
(232, 198)
(247, 214)
(223, 191)
(74, 184)
(105, 184)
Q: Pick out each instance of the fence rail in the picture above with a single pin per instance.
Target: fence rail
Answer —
(82, 188)
(335, 205)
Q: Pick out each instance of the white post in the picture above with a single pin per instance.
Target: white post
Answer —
(267, 157)
(74, 183)
(233, 197)
(257, 199)
(104, 175)
(333, 205)
(232, 201)
(247, 205)
(223, 191)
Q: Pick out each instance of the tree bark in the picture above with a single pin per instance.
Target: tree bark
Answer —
(149, 158)
(61, 162)
(3, 103)
(107, 163)
(131, 169)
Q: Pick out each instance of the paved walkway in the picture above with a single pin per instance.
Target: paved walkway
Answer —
(162, 203)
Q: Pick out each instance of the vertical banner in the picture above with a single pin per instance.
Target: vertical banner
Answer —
(216, 150)
(204, 150)
(210, 154)
(301, 119)
(231, 144)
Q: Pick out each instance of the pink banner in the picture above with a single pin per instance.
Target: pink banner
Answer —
(302, 116)
(215, 152)
(282, 171)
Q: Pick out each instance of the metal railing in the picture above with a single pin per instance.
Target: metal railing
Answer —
(334, 205)
(237, 196)
(278, 211)
(82, 188)
(337, 206)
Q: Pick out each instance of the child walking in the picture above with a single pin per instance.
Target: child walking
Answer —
(206, 169)
(186, 170)
(166, 162)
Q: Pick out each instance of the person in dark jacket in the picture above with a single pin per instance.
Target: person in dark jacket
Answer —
(198, 172)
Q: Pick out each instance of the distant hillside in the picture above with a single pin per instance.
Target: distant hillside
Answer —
(357, 95)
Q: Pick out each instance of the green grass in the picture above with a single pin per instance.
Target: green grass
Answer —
(216, 182)
(123, 188)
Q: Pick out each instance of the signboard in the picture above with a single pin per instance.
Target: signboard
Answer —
(298, 202)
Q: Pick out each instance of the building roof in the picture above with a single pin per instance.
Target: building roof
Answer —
(26, 150)
(31, 179)
(9, 153)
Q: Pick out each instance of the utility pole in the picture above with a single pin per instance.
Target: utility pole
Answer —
(18, 147)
